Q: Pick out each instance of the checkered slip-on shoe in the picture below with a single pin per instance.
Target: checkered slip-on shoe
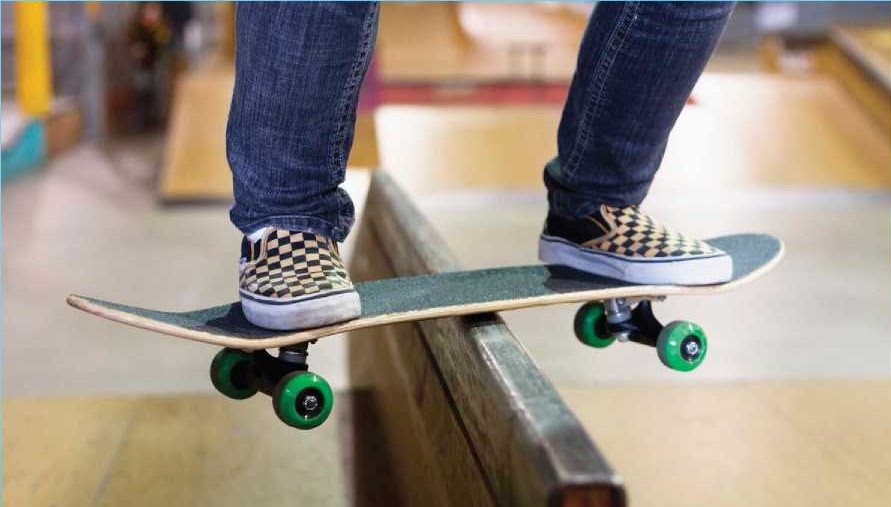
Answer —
(294, 280)
(626, 244)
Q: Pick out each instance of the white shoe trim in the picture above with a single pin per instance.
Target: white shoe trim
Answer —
(304, 313)
(687, 270)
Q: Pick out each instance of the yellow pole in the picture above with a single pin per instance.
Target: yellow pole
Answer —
(94, 10)
(32, 58)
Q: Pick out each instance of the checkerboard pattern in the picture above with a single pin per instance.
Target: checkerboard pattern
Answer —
(635, 234)
(286, 264)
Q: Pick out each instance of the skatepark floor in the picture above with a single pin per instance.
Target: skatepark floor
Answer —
(183, 449)
(791, 407)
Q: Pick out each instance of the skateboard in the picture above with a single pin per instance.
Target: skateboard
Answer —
(612, 311)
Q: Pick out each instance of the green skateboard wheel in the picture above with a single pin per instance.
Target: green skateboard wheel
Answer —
(591, 326)
(302, 400)
(232, 372)
(682, 345)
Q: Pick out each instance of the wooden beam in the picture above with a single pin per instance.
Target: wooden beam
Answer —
(467, 415)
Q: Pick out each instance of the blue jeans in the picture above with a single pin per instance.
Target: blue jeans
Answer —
(298, 68)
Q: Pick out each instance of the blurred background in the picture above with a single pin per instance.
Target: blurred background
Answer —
(115, 184)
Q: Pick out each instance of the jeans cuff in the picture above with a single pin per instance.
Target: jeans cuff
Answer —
(571, 206)
(297, 223)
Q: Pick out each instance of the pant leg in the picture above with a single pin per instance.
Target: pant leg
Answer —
(298, 69)
(637, 65)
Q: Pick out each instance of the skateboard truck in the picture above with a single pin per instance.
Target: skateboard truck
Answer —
(296, 354)
(303, 399)
(681, 345)
(300, 398)
(618, 311)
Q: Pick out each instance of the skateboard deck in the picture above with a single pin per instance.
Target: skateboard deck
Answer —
(425, 297)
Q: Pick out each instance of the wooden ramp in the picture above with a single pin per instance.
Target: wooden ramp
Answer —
(195, 167)
(475, 43)
(860, 59)
(467, 416)
(743, 130)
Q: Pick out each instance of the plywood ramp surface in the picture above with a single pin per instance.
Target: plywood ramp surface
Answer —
(872, 46)
(792, 443)
(195, 166)
(473, 43)
(164, 450)
(757, 130)
(746, 130)
(859, 58)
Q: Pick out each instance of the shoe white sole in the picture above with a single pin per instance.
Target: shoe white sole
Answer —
(686, 271)
(304, 313)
